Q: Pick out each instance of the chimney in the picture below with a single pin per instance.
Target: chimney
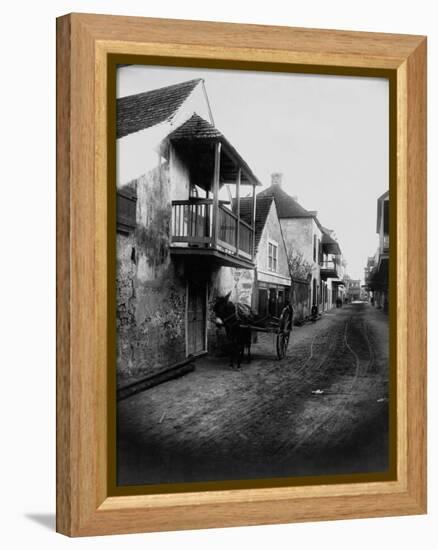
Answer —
(277, 178)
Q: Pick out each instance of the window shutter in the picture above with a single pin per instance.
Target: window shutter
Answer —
(126, 211)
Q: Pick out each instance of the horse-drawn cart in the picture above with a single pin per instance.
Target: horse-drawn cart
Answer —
(240, 321)
(281, 326)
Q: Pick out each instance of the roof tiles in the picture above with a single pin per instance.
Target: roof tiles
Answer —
(195, 128)
(287, 207)
(140, 111)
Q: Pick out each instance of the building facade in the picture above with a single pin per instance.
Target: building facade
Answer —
(272, 283)
(179, 243)
(377, 269)
(331, 270)
(353, 289)
(313, 253)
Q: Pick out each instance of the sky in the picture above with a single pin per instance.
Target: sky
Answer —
(328, 135)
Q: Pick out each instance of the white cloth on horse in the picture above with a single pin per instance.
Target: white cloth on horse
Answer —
(245, 313)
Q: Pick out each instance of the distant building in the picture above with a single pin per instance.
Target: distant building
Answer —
(331, 269)
(272, 282)
(377, 269)
(353, 289)
(314, 255)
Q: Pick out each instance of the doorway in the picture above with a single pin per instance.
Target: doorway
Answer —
(196, 325)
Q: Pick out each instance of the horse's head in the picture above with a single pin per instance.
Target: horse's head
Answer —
(223, 307)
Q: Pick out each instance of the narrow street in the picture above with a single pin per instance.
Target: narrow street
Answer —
(321, 410)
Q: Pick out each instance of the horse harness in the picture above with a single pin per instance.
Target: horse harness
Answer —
(232, 320)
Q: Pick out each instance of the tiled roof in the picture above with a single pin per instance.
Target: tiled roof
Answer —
(140, 111)
(197, 128)
(263, 206)
(287, 207)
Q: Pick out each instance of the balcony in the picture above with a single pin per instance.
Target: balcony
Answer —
(329, 269)
(199, 228)
(202, 227)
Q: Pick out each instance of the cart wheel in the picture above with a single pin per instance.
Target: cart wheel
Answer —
(282, 343)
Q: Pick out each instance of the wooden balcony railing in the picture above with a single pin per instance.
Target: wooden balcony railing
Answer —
(191, 222)
(192, 226)
(227, 228)
(329, 269)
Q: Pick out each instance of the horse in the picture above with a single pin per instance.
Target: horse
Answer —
(239, 337)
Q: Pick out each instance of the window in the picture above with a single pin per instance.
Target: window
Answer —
(272, 256)
(315, 245)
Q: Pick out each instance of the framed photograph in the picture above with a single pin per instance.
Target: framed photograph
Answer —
(241, 276)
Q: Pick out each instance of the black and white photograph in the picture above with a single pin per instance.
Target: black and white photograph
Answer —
(252, 275)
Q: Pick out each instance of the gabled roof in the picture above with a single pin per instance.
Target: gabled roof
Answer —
(140, 111)
(263, 206)
(287, 207)
(197, 129)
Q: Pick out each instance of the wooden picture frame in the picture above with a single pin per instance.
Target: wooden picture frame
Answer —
(84, 43)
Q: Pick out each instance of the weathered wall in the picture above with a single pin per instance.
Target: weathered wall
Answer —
(151, 289)
(243, 285)
(300, 300)
(298, 235)
(125, 299)
(230, 279)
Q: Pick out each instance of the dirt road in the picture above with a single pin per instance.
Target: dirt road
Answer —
(321, 410)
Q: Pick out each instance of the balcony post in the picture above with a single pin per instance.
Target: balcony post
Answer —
(239, 173)
(253, 219)
(216, 174)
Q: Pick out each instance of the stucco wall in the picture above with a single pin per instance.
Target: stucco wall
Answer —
(300, 300)
(125, 299)
(298, 235)
(272, 231)
(151, 288)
